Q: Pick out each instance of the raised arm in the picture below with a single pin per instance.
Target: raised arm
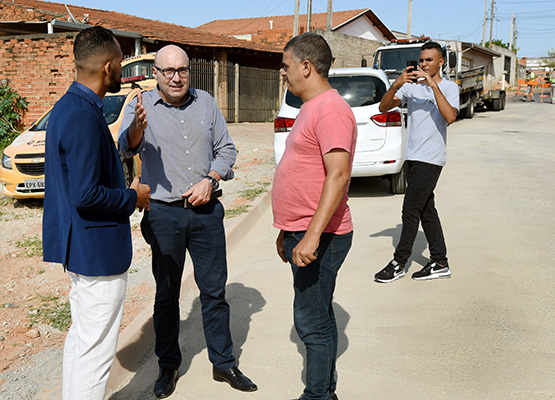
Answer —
(389, 99)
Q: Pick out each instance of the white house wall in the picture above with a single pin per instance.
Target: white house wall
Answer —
(499, 64)
(363, 28)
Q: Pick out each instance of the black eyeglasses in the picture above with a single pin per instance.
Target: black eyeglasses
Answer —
(169, 73)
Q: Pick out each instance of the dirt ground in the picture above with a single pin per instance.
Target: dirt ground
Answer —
(34, 313)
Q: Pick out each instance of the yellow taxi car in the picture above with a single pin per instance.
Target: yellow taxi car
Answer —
(22, 166)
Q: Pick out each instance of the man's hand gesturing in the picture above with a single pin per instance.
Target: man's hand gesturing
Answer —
(140, 122)
(138, 125)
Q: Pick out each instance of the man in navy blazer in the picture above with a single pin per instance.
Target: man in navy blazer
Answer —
(86, 214)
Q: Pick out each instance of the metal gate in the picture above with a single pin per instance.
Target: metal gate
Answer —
(245, 94)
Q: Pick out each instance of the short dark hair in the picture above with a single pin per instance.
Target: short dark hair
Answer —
(94, 41)
(314, 48)
(433, 45)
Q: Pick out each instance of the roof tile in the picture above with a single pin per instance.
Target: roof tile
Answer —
(244, 26)
(152, 29)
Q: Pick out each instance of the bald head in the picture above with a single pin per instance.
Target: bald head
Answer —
(171, 54)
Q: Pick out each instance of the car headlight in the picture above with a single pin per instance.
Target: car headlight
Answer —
(6, 161)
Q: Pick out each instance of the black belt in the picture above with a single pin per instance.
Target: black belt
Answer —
(176, 203)
(181, 203)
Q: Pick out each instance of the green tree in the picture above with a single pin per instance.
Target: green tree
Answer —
(12, 109)
(550, 62)
(499, 42)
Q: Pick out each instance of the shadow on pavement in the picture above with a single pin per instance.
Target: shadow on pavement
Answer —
(244, 303)
(418, 249)
(35, 204)
(342, 319)
(376, 186)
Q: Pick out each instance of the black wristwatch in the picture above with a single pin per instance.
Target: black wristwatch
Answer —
(213, 182)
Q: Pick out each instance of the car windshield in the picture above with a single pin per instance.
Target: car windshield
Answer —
(394, 61)
(112, 108)
(358, 91)
(42, 123)
(396, 58)
(142, 67)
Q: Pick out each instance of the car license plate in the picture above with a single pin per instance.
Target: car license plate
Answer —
(34, 183)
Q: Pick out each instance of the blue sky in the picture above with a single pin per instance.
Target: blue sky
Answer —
(448, 19)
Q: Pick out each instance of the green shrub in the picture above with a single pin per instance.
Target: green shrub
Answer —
(51, 311)
(31, 245)
(12, 108)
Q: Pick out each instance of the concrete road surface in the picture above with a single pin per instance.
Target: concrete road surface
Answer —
(488, 332)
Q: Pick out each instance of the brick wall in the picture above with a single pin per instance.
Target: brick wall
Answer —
(276, 37)
(347, 50)
(39, 67)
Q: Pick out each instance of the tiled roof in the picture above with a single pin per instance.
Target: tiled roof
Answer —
(151, 29)
(319, 20)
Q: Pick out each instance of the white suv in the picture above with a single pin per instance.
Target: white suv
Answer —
(380, 147)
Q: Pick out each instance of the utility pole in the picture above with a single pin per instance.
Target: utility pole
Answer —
(329, 22)
(515, 33)
(491, 24)
(409, 20)
(309, 16)
(512, 31)
(485, 19)
(296, 20)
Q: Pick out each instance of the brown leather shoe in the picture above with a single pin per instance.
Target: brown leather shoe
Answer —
(235, 378)
(165, 384)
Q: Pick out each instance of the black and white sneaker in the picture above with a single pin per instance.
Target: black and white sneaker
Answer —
(390, 273)
(432, 270)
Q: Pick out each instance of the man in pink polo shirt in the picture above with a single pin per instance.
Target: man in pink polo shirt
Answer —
(309, 200)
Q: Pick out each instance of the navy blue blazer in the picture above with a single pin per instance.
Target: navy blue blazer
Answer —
(86, 205)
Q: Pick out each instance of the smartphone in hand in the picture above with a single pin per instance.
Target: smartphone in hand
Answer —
(413, 66)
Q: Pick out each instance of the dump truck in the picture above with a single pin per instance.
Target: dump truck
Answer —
(468, 64)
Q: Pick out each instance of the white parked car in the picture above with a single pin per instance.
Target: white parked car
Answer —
(380, 147)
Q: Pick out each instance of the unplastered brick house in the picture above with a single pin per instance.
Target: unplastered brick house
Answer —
(355, 34)
(36, 42)
(36, 46)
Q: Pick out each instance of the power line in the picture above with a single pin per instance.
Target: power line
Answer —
(275, 8)
(265, 8)
(242, 8)
(540, 12)
(472, 30)
(526, 2)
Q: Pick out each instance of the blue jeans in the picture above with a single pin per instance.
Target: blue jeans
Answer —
(419, 206)
(172, 231)
(313, 311)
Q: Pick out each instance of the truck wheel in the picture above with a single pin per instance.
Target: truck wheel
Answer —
(496, 104)
(503, 100)
(398, 182)
(468, 112)
(129, 170)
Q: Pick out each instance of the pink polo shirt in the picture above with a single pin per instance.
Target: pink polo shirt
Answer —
(324, 123)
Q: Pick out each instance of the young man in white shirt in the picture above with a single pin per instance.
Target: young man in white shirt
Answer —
(432, 104)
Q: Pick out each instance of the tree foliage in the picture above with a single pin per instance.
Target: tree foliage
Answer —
(12, 109)
(550, 61)
(499, 42)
